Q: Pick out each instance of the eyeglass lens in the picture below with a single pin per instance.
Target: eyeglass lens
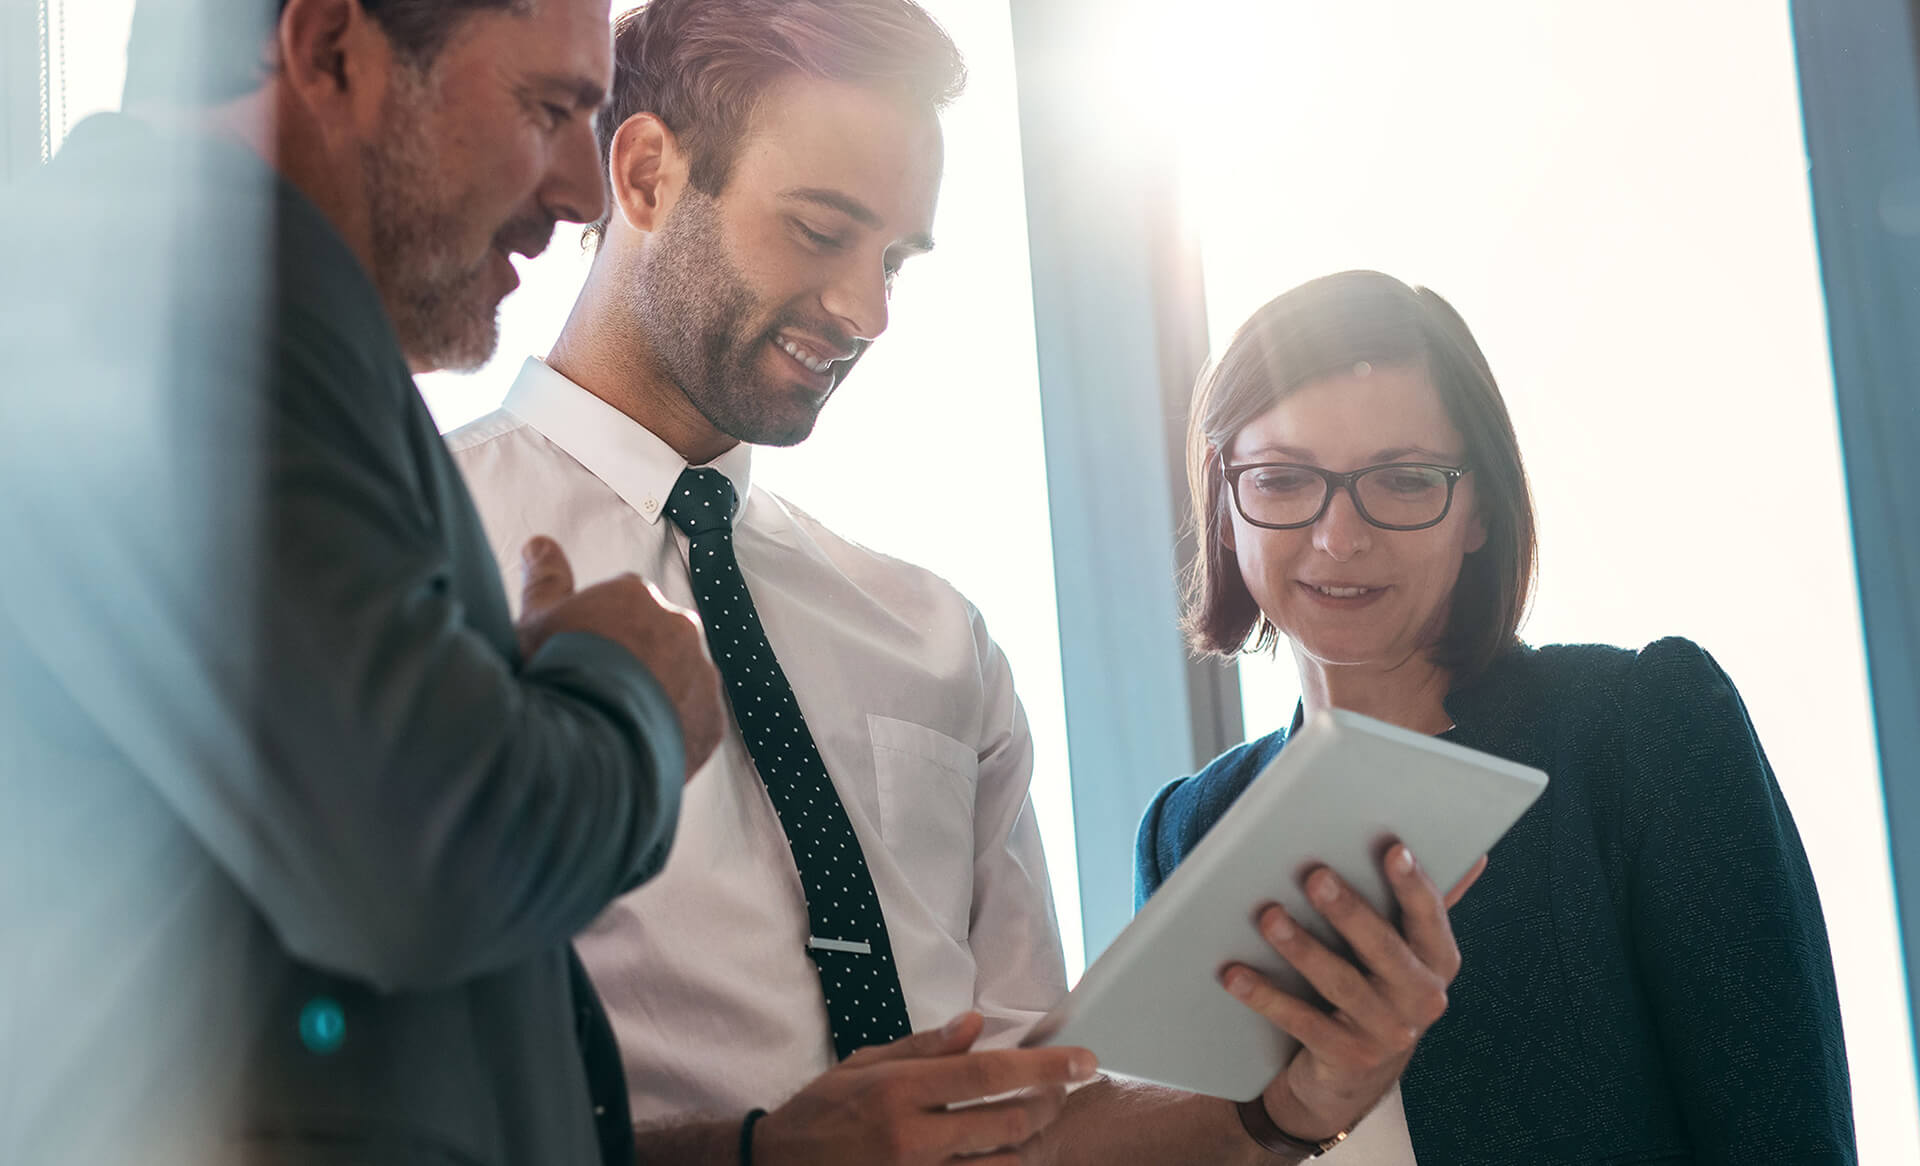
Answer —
(1389, 495)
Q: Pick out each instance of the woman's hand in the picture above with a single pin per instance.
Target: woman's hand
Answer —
(1383, 1000)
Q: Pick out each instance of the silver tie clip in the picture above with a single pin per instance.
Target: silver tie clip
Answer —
(856, 946)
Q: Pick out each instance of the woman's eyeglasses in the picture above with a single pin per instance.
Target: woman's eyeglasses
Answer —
(1391, 496)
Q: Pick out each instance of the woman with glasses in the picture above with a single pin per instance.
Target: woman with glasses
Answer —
(1643, 971)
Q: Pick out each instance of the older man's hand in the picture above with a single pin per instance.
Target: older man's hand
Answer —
(631, 612)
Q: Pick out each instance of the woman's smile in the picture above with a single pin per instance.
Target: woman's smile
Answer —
(1343, 596)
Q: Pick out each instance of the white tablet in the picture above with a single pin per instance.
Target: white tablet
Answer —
(1340, 792)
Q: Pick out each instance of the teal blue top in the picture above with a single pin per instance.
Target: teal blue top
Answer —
(1646, 975)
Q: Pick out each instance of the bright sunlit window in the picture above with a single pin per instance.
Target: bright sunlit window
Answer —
(85, 63)
(1615, 197)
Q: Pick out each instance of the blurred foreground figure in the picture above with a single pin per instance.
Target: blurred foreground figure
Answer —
(295, 823)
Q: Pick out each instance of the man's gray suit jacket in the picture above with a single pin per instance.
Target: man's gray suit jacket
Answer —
(292, 842)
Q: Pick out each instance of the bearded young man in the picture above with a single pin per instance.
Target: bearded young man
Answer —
(295, 822)
(860, 860)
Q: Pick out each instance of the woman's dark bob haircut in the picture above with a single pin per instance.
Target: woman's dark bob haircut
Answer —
(1327, 327)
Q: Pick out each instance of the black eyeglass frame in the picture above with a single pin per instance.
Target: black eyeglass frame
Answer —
(1336, 482)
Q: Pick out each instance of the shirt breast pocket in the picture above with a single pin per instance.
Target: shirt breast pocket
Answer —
(925, 781)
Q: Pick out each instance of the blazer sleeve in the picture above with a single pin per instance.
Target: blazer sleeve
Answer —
(1180, 815)
(470, 810)
(257, 604)
(1148, 842)
(1726, 925)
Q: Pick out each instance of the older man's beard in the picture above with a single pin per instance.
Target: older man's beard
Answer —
(442, 303)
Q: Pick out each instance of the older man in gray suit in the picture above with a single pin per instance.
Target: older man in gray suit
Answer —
(295, 823)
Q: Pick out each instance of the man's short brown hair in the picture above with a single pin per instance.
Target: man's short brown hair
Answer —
(701, 66)
(1320, 329)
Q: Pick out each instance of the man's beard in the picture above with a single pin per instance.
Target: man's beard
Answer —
(699, 316)
(439, 295)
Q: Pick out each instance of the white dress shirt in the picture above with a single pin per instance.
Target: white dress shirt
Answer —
(704, 970)
(1380, 1138)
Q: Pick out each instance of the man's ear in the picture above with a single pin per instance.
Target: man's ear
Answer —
(646, 170)
(334, 61)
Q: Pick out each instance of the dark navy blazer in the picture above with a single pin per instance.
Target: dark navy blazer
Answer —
(1646, 975)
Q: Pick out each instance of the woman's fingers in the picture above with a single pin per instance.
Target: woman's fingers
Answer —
(1362, 1011)
(1423, 913)
(1322, 1034)
(1395, 985)
(1384, 998)
(1402, 996)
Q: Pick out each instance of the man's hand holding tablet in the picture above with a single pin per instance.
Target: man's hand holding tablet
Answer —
(923, 1100)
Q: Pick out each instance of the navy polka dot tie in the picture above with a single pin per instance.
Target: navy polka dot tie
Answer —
(848, 940)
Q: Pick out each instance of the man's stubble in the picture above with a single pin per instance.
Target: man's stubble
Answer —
(443, 311)
(698, 314)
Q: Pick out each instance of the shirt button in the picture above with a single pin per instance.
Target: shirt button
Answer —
(652, 506)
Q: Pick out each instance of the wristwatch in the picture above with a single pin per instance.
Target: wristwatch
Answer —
(1260, 1126)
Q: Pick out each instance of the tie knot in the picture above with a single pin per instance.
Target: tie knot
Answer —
(702, 500)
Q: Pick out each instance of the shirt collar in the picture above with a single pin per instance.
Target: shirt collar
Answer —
(613, 447)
